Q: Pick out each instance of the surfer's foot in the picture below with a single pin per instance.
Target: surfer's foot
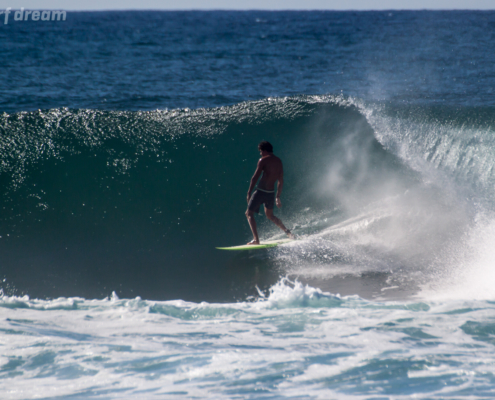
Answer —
(290, 234)
(253, 242)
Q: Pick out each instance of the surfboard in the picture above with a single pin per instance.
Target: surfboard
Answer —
(263, 245)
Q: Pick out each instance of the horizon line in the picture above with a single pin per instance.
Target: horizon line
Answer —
(257, 9)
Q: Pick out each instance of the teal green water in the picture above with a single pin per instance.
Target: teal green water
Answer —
(128, 195)
(138, 201)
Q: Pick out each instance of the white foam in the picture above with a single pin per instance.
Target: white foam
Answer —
(294, 341)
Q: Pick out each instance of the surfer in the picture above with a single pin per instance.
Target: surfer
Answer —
(271, 167)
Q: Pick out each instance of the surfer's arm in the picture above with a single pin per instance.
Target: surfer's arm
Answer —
(254, 179)
(280, 185)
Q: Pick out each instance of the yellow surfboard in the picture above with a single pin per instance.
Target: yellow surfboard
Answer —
(263, 245)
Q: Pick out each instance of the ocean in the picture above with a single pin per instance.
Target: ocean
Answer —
(127, 143)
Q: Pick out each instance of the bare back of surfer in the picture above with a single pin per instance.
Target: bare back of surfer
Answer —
(271, 170)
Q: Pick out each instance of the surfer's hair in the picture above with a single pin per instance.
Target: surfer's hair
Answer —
(265, 146)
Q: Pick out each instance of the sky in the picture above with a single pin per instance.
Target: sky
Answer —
(248, 4)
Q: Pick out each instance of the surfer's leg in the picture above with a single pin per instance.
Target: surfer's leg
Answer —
(269, 214)
(252, 224)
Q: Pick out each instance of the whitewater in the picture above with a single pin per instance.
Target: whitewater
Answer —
(297, 342)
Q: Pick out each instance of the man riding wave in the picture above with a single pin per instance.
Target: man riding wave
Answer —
(271, 170)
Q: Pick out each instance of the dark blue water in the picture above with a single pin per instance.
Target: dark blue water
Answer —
(149, 60)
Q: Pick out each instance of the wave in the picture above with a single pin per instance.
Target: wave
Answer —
(135, 202)
(284, 294)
